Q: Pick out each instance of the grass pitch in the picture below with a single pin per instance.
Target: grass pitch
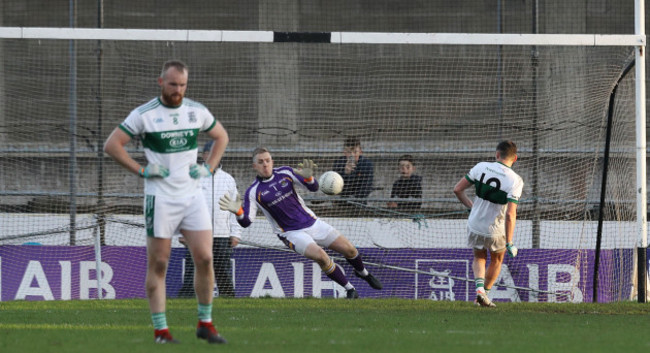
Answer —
(328, 325)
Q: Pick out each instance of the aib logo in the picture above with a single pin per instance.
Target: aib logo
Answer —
(442, 279)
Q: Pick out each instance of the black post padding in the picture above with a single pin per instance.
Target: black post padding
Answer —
(642, 274)
(302, 37)
(603, 191)
(603, 187)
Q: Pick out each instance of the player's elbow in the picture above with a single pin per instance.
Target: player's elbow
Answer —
(109, 147)
(224, 139)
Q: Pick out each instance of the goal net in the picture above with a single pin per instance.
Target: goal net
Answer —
(69, 210)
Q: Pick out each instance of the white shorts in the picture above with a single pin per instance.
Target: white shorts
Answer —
(320, 233)
(479, 242)
(166, 216)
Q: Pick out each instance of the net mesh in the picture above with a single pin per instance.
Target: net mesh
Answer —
(445, 105)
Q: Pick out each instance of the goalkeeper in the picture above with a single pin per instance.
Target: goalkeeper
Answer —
(491, 222)
(297, 226)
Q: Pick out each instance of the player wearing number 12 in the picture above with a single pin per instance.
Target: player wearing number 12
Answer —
(169, 126)
(491, 222)
(274, 191)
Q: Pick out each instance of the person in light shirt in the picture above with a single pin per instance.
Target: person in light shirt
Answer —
(226, 232)
(169, 127)
(491, 223)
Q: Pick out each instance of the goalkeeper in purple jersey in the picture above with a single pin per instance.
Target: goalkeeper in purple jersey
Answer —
(274, 190)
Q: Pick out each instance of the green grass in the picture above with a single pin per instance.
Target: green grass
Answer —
(328, 325)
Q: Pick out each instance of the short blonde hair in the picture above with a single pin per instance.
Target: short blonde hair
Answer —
(259, 150)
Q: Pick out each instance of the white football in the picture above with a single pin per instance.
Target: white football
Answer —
(331, 183)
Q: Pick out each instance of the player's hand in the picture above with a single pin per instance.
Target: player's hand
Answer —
(154, 171)
(306, 168)
(234, 206)
(200, 171)
(512, 250)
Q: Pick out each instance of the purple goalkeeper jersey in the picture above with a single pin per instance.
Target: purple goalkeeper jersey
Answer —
(279, 201)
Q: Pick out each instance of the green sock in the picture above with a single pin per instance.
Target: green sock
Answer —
(487, 290)
(480, 282)
(205, 312)
(159, 320)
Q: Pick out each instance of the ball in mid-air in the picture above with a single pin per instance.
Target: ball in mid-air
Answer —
(331, 183)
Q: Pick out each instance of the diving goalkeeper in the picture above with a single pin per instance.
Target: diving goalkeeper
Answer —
(274, 191)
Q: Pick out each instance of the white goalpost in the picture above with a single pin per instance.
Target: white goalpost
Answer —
(570, 101)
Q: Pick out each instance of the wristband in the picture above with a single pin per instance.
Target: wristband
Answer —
(309, 180)
(141, 172)
(240, 212)
(210, 169)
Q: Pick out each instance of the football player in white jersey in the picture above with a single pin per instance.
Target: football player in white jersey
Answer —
(493, 215)
(169, 126)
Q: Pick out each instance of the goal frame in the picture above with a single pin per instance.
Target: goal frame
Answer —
(636, 40)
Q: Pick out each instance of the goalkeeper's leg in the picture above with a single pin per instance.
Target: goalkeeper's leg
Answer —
(343, 246)
(332, 270)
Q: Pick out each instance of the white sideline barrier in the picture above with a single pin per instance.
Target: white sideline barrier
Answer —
(363, 232)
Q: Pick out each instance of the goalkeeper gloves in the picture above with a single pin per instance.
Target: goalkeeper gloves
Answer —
(154, 171)
(200, 171)
(512, 250)
(234, 206)
(306, 168)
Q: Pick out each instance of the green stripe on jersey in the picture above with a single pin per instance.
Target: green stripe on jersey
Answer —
(171, 141)
(125, 129)
(490, 193)
(149, 210)
(211, 126)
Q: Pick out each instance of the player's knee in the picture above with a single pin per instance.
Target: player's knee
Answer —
(321, 258)
(326, 264)
(158, 266)
(497, 258)
(350, 252)
(203, 261)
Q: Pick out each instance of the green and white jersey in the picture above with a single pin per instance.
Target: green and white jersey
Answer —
(496, 184)
(170, 138)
